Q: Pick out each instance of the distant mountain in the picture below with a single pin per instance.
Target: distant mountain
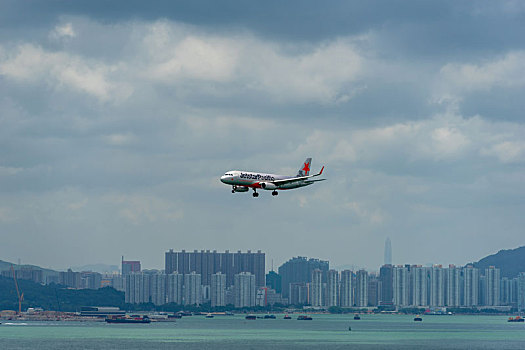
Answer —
(5, 265)
(100, 268)
(510, 261)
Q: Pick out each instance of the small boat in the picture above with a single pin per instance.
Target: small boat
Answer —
(357, 317)
(251, 317)
(128, 319)
(269, 316)
(418, 318)
(304, 318)
(286, 317)
(209, 316)
(516, 319)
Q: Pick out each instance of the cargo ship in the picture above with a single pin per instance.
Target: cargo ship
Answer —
(516, 319)
(304, 318)
(128, 319)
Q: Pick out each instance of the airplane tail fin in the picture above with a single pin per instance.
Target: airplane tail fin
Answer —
(305, 168)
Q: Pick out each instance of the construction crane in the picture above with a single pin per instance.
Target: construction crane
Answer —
(20, 296)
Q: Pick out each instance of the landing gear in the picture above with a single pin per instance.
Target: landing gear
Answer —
(275, 193)
(255, 194)
(233, 191)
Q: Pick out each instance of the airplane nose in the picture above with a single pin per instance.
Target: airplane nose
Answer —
(223, 178)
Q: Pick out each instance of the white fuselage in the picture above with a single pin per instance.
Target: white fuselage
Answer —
(260, 180)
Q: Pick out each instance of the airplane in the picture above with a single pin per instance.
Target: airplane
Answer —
(242, 181)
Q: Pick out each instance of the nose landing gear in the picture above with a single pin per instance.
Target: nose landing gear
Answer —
(275, 193)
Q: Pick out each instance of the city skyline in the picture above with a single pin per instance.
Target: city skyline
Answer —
(239, 279)
(116, 123)
(269, 262)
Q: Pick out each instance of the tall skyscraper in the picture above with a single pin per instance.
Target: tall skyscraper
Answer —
(245, 289)
(388, 251)
(218, 289)
(347, 290)
(174, 287)
(192, 289)
(316, 288)
(361, 283)
(332, 288)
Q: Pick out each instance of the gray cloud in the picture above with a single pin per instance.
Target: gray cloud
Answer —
(116, 123)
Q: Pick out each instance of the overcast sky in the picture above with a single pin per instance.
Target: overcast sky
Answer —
(118, 118)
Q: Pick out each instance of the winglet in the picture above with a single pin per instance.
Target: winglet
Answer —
(321, 170)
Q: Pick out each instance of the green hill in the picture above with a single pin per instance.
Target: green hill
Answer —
(510, 261)
(55, 297)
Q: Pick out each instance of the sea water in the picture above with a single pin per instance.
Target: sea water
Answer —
(234, 332)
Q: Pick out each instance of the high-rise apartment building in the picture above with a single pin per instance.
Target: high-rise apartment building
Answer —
(70, 278)
(299, 270)
(158, 288)
(274, 281)
(470, 286)
(453, 284)
(361, 284)
(401, 281)
(437, 286)
(192, 289)
(245, 289)
(316, 288)
(298, 293)
(130, 266)
(521, 291)
(174, 286)
(492, 286)
(218, 289)
(419, 283)
(347, 289)
(137, 288)
(374, 291)
(207, 263)
(332, 288)
(386, 276)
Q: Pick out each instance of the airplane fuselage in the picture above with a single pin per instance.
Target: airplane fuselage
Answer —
(242, 181)
(260, 180)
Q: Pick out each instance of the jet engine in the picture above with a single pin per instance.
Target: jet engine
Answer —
(240, 189)
(268, 186)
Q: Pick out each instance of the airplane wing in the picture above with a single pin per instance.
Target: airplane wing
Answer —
(299, 178)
